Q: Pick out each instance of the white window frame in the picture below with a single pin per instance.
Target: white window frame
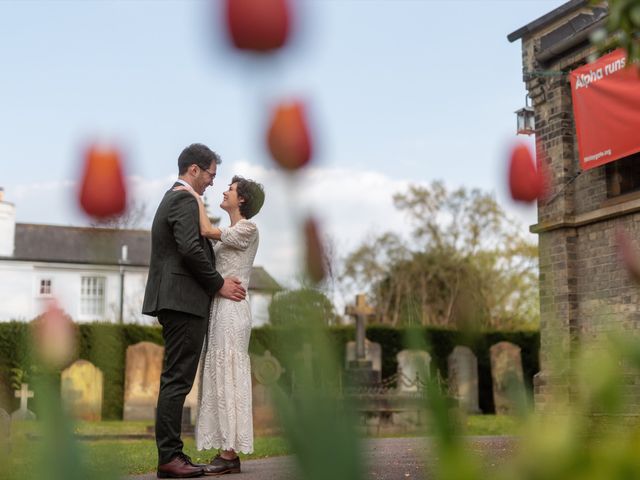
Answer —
(45, 285)
(93, 290)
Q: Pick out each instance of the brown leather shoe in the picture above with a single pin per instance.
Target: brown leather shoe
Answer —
(179, 467)
(220, 466)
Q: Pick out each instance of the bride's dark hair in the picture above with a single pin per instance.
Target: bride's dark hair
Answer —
(252, 193)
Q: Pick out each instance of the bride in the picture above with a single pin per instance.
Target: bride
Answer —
(225, 418)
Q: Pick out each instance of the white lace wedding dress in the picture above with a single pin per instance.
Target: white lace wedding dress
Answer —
(225, 417)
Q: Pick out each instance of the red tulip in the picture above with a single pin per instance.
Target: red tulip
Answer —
(315, 255)
(628, 254)
(103, 192)
(288, 138)
(54, 336)
(525, 182)
(259, 25)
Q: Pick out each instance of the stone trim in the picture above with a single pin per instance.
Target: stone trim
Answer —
(608, 211)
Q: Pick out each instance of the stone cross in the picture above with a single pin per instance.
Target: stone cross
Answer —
(24, 394)
(266, 371)
(23, 413)
(361, 310)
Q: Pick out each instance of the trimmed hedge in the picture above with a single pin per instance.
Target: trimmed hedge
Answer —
(105, 346)
(102, 344)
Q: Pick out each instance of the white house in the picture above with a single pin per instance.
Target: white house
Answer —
(94, 273)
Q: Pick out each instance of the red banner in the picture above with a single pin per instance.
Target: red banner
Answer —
(606, 108)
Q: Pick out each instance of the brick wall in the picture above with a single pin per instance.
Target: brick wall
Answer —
(584, 293)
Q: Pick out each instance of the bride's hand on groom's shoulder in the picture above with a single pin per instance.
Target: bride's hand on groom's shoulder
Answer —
(184, 188)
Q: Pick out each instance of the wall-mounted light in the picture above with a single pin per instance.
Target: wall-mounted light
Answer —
(526, 121)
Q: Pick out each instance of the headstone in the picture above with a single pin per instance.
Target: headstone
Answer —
(5, 431)
(142, 380)
(23, 413)
(463, 378)
(81, 389)
(302, 367)
(413, 370)
(507, 377)
(372, 354)
(187, 426)
(191, 403)
(266, 372)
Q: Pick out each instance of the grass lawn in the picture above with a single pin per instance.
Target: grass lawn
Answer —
(139, 456)
(112, 455)
(491, 425)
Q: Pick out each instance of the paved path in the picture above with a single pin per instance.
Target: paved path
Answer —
(386, 459)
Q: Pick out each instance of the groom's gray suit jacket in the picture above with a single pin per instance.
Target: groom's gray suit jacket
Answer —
(182, 269)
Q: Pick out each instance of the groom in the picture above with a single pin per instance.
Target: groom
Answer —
(182, 280)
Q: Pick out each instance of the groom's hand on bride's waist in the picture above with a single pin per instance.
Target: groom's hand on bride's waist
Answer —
(233, 289)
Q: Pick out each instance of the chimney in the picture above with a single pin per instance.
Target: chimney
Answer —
(7, 226)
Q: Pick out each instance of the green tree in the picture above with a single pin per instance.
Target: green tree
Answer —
(303, 307)
(467, 262)
(621, 28)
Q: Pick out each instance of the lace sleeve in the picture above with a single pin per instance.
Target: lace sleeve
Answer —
(240, 235)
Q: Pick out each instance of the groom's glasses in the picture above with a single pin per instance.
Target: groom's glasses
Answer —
(211, 174)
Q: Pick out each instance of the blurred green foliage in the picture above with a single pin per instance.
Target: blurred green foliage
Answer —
(298, 307)
(621, 28)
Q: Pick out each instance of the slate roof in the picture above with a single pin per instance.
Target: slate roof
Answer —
(547, 19)
(262, 281)
(570, 36)
(98, 246)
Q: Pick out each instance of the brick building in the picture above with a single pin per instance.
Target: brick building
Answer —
(584, 292)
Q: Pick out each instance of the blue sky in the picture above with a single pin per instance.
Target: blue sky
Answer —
(398, 91)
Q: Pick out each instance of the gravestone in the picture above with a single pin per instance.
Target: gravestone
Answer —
(372, 353)
(507, 377)
(302, 367)
(413, 372)
(23, 413)
(142, 380)
(360, 368)
(191, 404)
(413, 366)
(463, 378)
(5, 431)
(266, 371)
(81, 390)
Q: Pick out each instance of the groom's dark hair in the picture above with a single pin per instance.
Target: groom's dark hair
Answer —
(252, 193)
(199, 154)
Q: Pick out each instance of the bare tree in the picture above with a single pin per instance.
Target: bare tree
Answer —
(132, 218)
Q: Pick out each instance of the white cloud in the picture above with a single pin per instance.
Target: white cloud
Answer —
(350, 204)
